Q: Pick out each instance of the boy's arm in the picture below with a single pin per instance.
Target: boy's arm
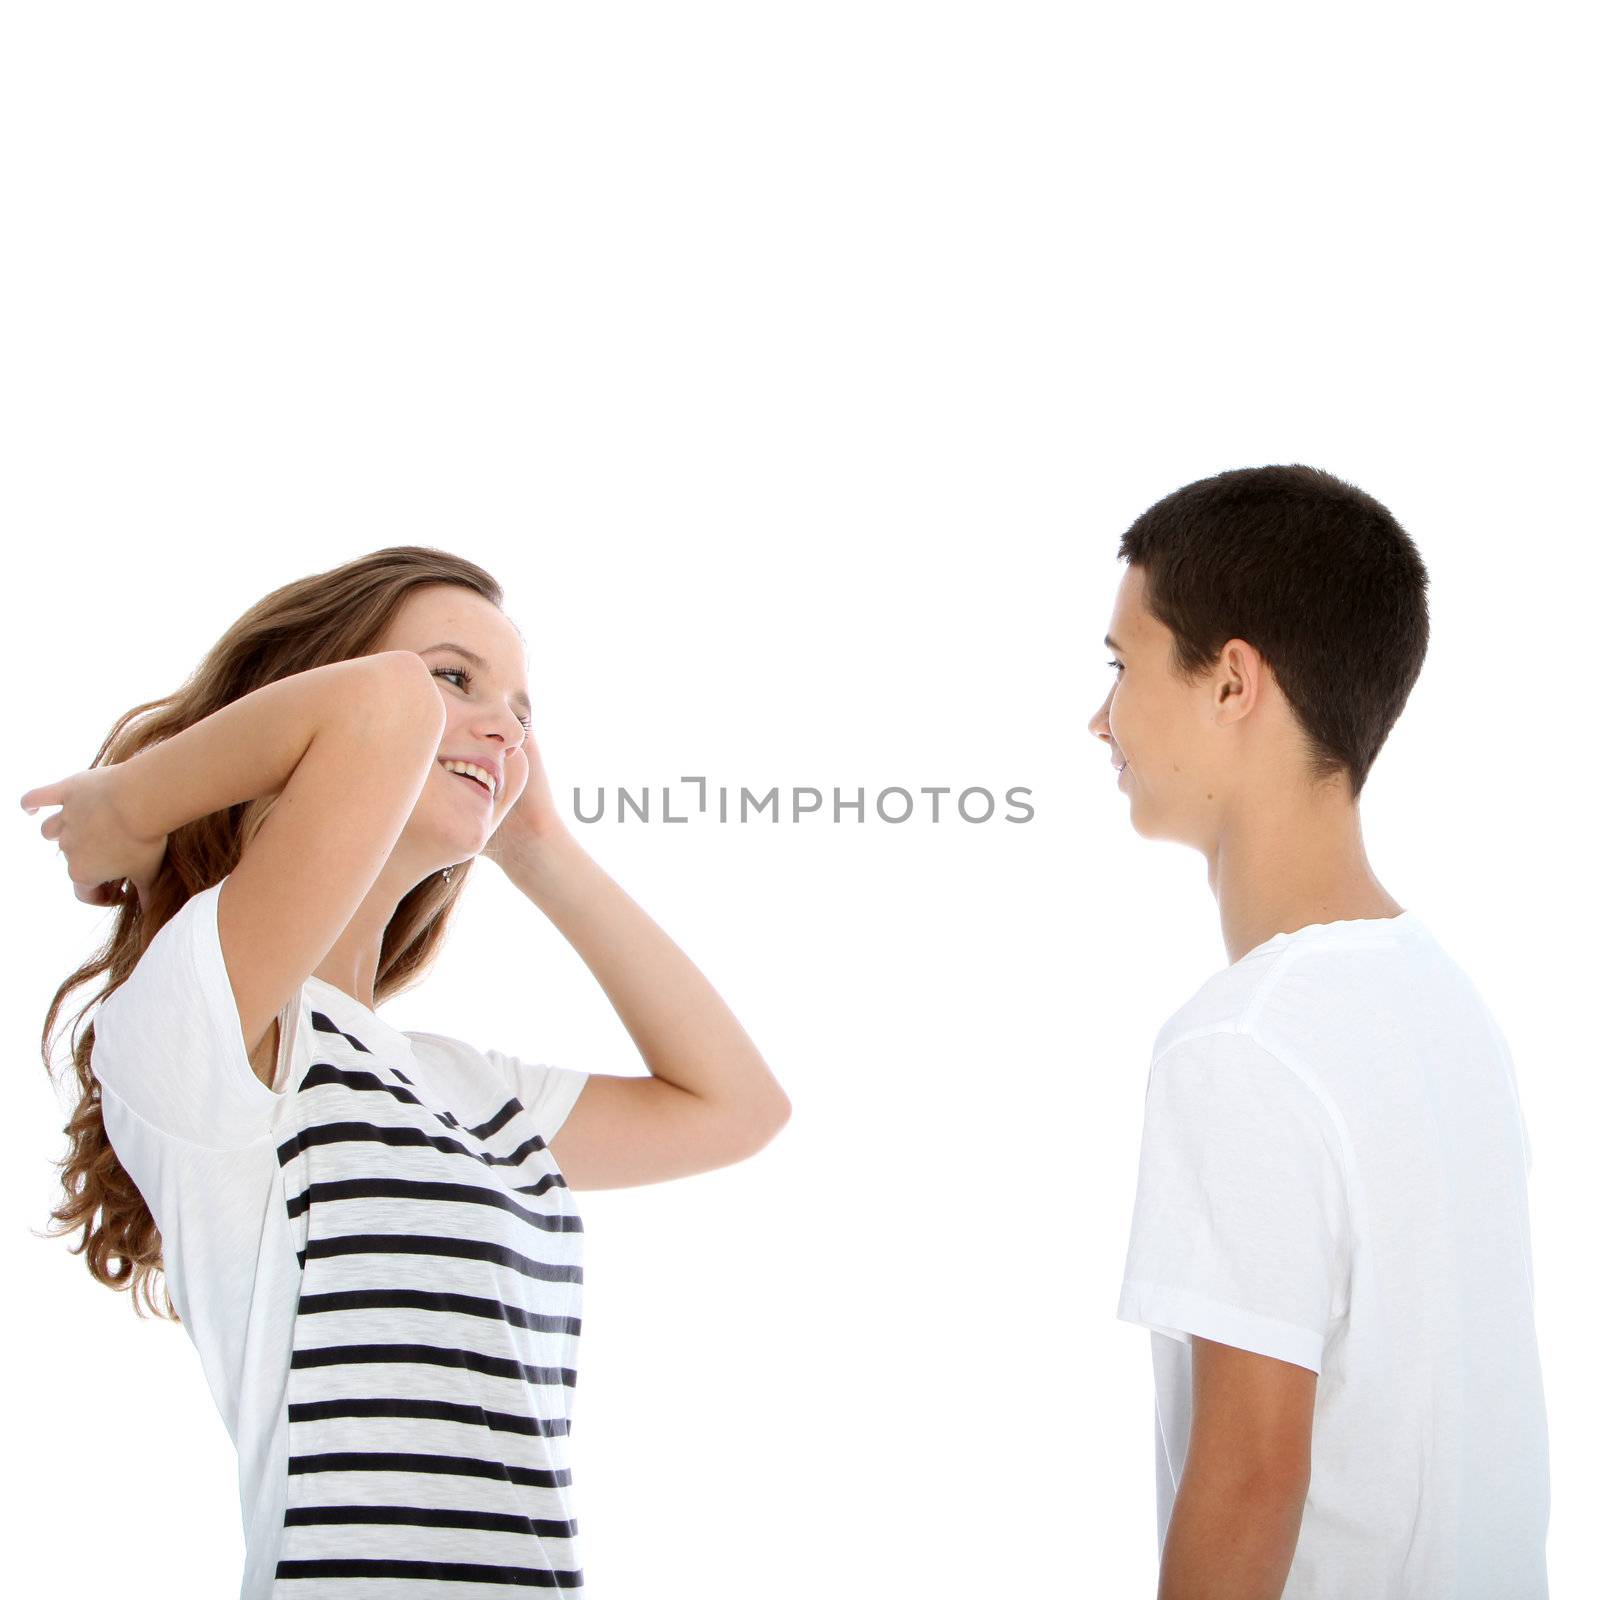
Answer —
(1236, 1519)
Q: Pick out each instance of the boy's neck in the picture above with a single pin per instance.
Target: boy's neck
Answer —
(1279, 866)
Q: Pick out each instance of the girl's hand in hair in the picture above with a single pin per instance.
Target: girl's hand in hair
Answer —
(93, 834)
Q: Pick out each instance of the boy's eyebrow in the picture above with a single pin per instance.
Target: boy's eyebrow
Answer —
(1113, 643)
(522, 701)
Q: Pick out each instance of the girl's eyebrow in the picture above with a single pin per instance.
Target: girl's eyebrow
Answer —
(522, 702)
(1113, 643)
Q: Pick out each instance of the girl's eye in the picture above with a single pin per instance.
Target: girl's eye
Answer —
(466, 683)
(1116, 664)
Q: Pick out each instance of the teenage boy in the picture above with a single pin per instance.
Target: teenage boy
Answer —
(1330, 1238)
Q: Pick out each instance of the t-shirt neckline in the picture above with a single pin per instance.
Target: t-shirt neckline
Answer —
(350, 1006)
(350, 1012)
(348, 999)
(1404, 922)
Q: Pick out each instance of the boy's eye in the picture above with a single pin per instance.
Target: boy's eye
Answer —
(466, 683)
(1116, 664)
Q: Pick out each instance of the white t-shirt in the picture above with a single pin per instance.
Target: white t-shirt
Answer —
(1334, 1173)
(379, 1263)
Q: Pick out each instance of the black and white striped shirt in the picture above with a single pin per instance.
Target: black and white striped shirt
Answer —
(381, 1266)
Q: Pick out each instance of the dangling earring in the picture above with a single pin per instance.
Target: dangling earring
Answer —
(447, 872)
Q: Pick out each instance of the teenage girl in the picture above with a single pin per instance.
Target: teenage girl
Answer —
(368, 1233)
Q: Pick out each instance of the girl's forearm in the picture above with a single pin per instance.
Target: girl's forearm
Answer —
(681, 1025)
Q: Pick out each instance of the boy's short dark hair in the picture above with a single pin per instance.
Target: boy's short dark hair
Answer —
(1314, 573)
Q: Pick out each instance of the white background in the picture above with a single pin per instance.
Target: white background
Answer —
(796, 371)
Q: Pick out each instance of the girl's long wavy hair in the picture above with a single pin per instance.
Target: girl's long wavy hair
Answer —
(327, 617)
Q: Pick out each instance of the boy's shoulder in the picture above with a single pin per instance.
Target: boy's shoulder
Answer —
(1312, 974)
(1222, 1004)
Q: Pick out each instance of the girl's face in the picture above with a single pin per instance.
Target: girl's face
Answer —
(476, 657)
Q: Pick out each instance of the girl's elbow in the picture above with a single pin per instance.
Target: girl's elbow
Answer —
(763, 1124)
(781, 1110)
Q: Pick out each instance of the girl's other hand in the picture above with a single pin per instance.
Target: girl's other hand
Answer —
(94, 835)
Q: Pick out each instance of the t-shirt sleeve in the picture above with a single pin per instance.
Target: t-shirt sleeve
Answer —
(1240, 1223)
(547, 1093)
(168, 1042)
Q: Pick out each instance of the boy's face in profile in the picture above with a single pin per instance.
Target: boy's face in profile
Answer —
(1164, 729)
